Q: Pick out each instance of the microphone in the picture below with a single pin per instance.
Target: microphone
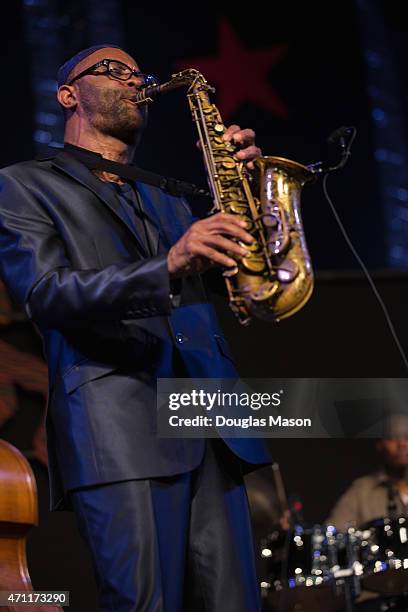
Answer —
(344, 137)
(340, 134)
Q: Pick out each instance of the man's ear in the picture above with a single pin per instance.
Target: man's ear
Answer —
(66, 96)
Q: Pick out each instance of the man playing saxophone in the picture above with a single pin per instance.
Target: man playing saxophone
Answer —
(108, 270)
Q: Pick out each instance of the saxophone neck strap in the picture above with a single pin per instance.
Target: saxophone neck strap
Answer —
(174, 187)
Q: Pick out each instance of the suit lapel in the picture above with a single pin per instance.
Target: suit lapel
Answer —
(150, 210)
(78, 171)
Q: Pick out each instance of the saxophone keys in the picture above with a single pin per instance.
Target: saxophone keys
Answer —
(276, 244)
(270, 220)
(253, 264)
(266, 291)
(249, 222)
(218, 142)
(230, 147)
(252, 247)
(287, 271)
(219, 128)
(239, 208)
(228, 272)
(227, 163)
(226, 174)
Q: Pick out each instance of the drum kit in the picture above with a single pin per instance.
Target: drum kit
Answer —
(320, 569)
(313, 569)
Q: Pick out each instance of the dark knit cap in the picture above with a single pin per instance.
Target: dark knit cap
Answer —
(65, 70)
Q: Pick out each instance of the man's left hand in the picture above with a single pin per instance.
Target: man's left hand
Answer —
(245, 140)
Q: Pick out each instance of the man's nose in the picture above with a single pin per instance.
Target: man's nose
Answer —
(135, 81)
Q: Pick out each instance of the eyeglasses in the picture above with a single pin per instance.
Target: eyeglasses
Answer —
(119, 71)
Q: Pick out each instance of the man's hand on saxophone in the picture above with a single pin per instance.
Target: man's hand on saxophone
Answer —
(245, 140)
(206, 244)
(211, 241)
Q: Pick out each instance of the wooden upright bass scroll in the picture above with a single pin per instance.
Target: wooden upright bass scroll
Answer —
(18, 513)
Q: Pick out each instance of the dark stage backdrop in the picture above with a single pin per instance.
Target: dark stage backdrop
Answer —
(293, 72)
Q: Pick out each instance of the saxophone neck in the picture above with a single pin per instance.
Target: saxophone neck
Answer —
(191, 78)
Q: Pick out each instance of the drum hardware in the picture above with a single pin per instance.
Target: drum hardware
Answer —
(313, 569)
(384, 554)
(318, 568)
(297, 572)
(347, 568)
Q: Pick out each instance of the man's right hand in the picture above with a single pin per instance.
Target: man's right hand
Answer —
(206, 244)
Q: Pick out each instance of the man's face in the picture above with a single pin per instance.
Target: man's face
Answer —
(394, 452)
(107, 102)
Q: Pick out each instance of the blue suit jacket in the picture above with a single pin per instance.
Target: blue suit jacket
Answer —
(102, 306)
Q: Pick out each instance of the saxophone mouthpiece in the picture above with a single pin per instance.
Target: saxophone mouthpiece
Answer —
(147, 95)
(185, 78)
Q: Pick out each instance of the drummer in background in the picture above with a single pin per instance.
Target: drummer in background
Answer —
(383, 493)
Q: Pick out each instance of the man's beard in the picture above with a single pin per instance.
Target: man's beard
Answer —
(110, 112)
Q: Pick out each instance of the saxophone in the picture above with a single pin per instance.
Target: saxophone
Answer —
(274, 279)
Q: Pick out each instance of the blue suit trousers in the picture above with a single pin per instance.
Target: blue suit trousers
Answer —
(176, 544)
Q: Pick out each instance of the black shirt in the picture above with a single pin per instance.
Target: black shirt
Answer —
(127, 194)
(130, 201)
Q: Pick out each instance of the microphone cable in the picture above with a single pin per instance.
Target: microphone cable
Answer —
(365, 270)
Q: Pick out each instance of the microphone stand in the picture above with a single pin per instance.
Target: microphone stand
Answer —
(392, 502)
(345, 580)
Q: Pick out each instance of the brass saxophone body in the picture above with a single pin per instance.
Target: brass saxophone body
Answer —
(275, 277)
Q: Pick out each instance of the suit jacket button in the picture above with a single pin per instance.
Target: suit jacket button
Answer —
(180, 338)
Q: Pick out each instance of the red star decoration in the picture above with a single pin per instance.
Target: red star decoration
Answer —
(241, 74)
